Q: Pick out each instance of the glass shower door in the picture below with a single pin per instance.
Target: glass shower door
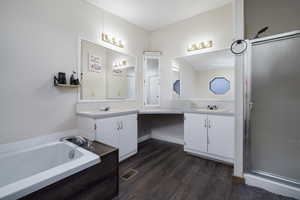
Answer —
(274, 120)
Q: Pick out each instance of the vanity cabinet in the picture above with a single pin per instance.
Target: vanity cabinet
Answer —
(195, 132)
(210, 136)
(119, 132)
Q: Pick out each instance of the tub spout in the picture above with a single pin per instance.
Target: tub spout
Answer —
(78, 140)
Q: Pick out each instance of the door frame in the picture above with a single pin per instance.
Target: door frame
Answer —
(248, 90)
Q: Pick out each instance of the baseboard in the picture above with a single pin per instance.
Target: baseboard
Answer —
(168, 139)
(209, 156)
(144, 138)
(238, 180)
(272, 186)
(123, 158)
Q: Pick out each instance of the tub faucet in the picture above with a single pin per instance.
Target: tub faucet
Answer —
(78, 140)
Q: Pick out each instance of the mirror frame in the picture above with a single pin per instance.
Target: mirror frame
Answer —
(145, 57)
(107, 46)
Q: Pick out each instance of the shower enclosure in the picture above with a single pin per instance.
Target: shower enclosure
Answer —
(272, 107)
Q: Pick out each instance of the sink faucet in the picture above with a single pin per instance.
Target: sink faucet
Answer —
(212, 107)
(107, 108)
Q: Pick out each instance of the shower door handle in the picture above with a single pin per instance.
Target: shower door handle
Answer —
(250, 106)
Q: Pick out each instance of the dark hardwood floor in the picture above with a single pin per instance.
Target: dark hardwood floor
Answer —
(166, 172)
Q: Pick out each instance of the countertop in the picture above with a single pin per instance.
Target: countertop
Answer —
(106, 114)
(210, 112)
(120, 112)
(161, 111)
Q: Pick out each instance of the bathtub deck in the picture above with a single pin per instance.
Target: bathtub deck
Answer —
(100, 180)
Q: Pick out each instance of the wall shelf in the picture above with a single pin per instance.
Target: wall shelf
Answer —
(66, 86)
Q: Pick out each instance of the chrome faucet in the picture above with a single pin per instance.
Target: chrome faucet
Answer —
(107, 108)
(78, 140)
(212, 107)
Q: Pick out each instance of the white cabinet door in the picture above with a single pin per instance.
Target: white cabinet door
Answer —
(128, 135)
(195, 132)
(221, 135)
(107, 131)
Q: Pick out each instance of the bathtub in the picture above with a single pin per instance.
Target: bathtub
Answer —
(29, 170)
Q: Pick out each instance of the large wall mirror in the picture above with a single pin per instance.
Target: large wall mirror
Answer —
(106, 74)
(206, 76)
(151, 81)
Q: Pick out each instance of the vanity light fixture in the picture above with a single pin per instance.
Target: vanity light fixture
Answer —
(120, 65)
(111, 40)
(201, 45)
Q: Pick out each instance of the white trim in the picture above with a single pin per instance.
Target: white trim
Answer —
(168, 139)
(281, 35)
(105, 45)
(272, 186)
(239, 26)
(144, 138)
(209, 156)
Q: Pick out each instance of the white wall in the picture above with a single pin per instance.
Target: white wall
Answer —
(280, 15)
(39, 38)
(203, 78)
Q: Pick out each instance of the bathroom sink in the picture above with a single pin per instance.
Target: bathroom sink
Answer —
(106, 113)
(212, 111)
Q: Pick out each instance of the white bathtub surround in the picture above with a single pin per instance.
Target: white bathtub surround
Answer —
(36, 141)
(41, 166)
